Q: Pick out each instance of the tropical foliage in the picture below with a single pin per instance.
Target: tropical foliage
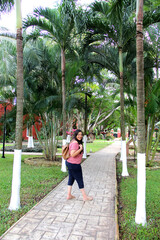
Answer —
(91, 68)
(76, 67)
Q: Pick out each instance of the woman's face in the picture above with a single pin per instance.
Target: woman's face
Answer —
(79, 136)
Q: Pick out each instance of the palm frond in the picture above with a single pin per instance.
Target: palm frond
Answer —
(151, 17)
(43, 24)
(6, 5)
(100, 7)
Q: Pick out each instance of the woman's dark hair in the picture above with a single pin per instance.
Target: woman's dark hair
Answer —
(75, 136)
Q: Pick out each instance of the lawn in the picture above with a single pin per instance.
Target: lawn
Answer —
(6, 144)
(36, 182)
(127, 204)
(95, 146)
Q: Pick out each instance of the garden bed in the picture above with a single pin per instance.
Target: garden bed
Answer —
(36, 148)
(41, 161)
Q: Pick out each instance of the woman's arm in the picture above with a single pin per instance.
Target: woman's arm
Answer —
(74, 153)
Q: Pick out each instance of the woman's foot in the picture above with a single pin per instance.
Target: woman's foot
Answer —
(87, 198)
(70, 197)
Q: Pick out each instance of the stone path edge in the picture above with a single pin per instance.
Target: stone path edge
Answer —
(31, 209)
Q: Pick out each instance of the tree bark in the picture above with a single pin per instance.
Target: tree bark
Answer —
(19, 113)
(140, 217)
(121, 93)
(63, 92)
(85, 120)
(140, 82)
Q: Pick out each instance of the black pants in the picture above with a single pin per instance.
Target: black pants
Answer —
(75, 173)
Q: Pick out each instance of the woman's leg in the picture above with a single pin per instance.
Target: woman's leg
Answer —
(79, 178)
(69, 195)
(70, 181)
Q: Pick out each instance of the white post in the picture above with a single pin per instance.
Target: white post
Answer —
(63, 167)
(124, 160)
(30, 142)
(140, 217)
(84, 146)
(68, 138)
(16, 181)
(121, 157)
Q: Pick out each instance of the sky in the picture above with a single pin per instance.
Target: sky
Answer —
(8, 20)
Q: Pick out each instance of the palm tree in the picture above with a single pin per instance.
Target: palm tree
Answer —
(42, 91)
(59, 24)
(115, 26)
(140, 217)
(15, 196)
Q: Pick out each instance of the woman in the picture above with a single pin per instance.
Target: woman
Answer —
(74, 165)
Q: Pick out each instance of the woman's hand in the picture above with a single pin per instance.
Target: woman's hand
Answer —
(81, 147)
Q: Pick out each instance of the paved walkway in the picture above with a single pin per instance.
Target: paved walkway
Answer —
(56, 218)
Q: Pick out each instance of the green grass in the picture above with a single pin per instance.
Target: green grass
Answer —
(94, 147)
(36, 182)
(6, 144)
(97, 145)
(127, 204)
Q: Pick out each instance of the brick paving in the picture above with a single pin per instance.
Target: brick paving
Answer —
(57, 218)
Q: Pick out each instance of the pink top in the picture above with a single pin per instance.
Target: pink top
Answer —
(77, 159)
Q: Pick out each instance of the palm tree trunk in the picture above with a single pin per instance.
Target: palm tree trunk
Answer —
(63, 168)
(30, 138)
(140, 217)
(121, 93)
(85, 129)
(157, 66)
(123, 145)
(19, 115)
(155, 147)
(150, 137)
(85, 120)
(16, 179)
(51, 143)
(63, 91)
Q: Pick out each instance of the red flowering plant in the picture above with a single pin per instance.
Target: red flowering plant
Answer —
(71, 133)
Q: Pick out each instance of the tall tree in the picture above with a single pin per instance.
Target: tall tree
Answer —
(16, 179)
(114, 22)
(114, 25)
(140, 217)
(42, 88)
(59, 24)
(118, 14)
